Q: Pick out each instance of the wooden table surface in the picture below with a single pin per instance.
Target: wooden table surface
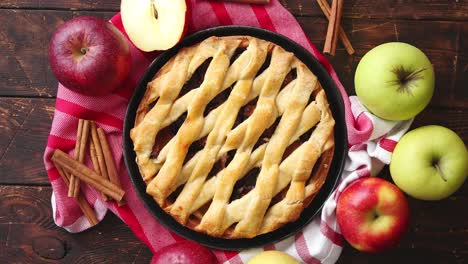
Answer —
(438, 231)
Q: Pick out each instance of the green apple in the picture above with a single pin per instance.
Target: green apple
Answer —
(395, 81)
(429, 163)
(273, 256)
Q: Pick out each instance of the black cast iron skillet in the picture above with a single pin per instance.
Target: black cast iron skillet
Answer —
(336, 106)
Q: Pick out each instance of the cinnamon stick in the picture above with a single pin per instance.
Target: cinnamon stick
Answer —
(82, 202)
(80, 151)
(101, 165)
(92, 150)
(109, 160)
(82, 154)
(333, 27)
(342, 34)
(87, 175)
(92, 153)
(73, 179)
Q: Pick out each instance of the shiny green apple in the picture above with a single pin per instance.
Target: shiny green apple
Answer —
(273, 256)
(395, 81)
(429, 163)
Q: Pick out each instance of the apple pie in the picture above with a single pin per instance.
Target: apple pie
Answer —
(234, 137)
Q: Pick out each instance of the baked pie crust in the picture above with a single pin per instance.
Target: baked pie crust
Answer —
(227, 112)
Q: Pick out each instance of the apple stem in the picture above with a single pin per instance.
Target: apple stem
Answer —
(83, 51)
(411, 75)
(440, 172)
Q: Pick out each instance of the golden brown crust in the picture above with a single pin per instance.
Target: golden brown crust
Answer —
(204, 204)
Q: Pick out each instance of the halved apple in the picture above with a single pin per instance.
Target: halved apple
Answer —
(154, 24)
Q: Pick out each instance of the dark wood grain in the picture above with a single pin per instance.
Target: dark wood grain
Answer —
(24, 43)
(96, 5)
(409, 9)
(437, 232)
(29, 72)
(24, 126)
(29, 235)
(412, 9)
(447, 48)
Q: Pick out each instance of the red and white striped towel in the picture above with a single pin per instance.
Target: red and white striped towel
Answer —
(371, 142)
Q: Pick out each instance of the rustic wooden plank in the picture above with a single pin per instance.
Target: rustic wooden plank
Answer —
(446, 48)
(437, 233)
(29, 235)
(24, 42)
(29, 74)
(98, 5)
(12, 116)
(420, 251)
(455, 119)
(412, 9)
(24, 126)
(461, 62)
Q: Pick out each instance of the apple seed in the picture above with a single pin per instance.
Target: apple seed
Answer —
(155, 11)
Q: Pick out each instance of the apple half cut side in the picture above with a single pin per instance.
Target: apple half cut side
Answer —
(154, 24)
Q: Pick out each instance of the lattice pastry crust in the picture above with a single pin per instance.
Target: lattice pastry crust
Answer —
(184, 182)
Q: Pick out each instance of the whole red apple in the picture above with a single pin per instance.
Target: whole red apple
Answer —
(372, 214)
(89, 55)
(185, 252)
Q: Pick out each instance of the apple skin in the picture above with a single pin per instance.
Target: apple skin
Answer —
(376, 81)
(185, 252)
(272, 256)
(373, 214)
(89, 55)
(413, 163)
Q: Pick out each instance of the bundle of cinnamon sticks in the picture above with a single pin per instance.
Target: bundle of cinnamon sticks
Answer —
(103, 177)
(334, 30)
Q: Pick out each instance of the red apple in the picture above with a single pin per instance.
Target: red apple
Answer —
(372, 214)
(89, 55)
(184, 252)
(154, 24)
